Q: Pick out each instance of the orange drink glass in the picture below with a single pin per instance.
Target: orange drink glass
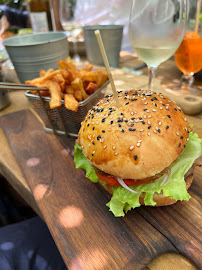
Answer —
(188, 56)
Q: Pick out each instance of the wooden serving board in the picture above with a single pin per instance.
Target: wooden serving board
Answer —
(86, 233)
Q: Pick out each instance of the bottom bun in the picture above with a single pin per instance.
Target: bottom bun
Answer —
(160, 199)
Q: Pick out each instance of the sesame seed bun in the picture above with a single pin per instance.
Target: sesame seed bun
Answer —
(138, 140)
(160, 199)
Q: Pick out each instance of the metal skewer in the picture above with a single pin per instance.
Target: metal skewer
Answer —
(15, 86)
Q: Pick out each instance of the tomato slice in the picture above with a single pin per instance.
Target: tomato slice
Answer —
(112, 181)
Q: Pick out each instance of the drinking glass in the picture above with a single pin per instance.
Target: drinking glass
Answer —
(188, 57)
(156, 29)
(69, 24)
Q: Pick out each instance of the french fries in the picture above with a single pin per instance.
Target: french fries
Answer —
(69, 83)
(55, 94)
(77, 84)
(70, 102)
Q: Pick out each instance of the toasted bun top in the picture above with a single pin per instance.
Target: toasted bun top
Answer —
(139, 139)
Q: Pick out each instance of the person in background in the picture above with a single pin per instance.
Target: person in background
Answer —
(13, 18)
(28, 245)
(25, 241)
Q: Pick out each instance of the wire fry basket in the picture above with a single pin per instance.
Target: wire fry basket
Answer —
(60, 120)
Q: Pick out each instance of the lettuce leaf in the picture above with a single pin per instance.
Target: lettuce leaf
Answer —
(175, 186)
(81, 162)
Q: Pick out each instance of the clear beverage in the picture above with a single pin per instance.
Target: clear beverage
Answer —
(73, 29)
(70, 25)
(155, 45)
(154, 56)
(156, 29)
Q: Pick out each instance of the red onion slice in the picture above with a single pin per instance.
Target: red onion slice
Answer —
(165, 179)
(123, 184)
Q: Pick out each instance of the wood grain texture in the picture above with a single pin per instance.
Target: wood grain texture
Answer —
(86, 233)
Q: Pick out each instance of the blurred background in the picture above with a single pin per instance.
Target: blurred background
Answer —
(23, 16)
(26, 16)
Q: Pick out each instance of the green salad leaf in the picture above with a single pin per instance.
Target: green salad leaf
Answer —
(81, 162)
(174, 187)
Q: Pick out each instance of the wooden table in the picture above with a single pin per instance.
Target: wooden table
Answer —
(40, 167)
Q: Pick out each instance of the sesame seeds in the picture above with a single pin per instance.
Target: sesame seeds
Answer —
(139, 121)
(154, 98)
(114, 147)
(98, 137)
(138, 143)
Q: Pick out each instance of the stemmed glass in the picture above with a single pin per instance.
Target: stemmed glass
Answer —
(69, 24)
(156, 29)
(188, 57)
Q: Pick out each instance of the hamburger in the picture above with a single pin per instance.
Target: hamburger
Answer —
(142, 152)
